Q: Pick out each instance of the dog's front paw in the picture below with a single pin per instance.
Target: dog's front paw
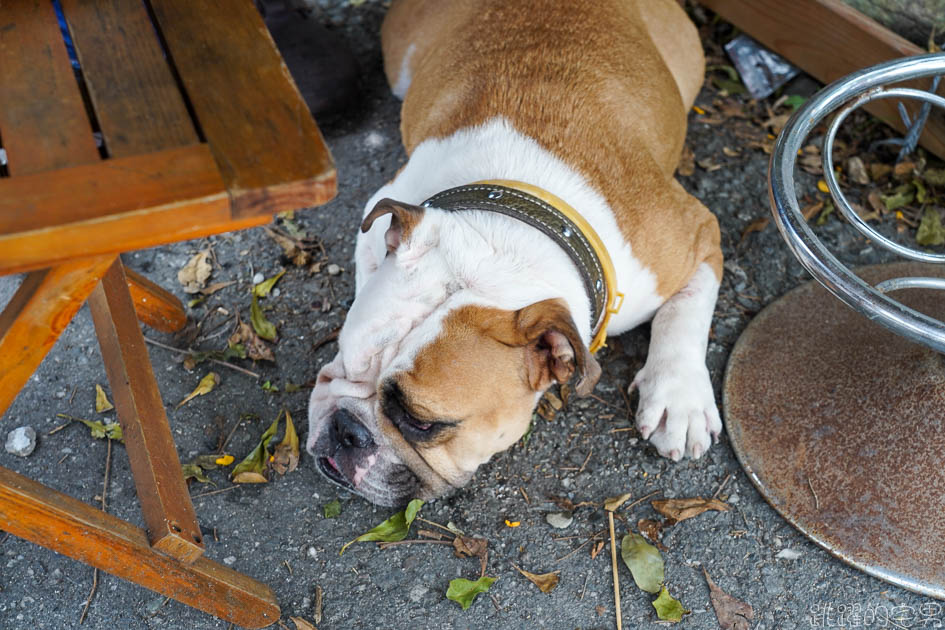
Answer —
(677, 410)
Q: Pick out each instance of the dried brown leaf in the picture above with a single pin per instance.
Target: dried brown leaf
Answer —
(879, 170)
(856, 171)
(652, 531)
(286, 456)
(597, 548)
(256, 348)
(708, 165)
(216, 286)
(812, 210)
(193, 276)
(876, 202)
(301, 624)
(732, 613)
(612, 503)
(468, 547)
(758, 225)
(904, 170)
(546, 582)
(678, 510)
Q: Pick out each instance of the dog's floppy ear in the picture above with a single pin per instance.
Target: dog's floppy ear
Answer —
(554, 351)
(404, 217)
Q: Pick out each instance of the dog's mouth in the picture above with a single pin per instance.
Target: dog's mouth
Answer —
(330, 469)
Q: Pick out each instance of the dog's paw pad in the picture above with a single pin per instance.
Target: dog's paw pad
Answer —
(677, 411)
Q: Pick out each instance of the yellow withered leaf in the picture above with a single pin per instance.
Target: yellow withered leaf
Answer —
(101, 400)
(206, 385)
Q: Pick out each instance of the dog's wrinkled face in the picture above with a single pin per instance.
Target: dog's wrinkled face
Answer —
(432, 377)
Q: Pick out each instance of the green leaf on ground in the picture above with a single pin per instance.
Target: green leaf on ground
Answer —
(332, 509)
(463, 591)
(98, 429)
(393, 529)
(269, 387)
(668, 607)
(644, 561)
(253, 467)
(900, 196)
(263, 288)
(930, 230)
(193, 471)
(263, 327)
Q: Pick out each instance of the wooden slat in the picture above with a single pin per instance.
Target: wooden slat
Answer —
(43, 122)
(155, 306)
(829, 40)
(165, 501)
(72, 528)
(137, 103)
(111, 206)
(32, 321)
(269, 150)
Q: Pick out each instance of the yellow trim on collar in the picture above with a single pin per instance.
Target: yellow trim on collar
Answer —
(614, 298)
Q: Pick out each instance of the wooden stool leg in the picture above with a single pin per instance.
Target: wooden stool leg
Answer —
(38, 313)
(155, 307)
(165, 501)
(70, 527)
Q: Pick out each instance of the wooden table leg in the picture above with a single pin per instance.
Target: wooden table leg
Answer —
(40, 310)
(59, 522)
(155, 307)
(165, 501)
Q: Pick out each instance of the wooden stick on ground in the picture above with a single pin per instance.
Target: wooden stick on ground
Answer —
(613, 562)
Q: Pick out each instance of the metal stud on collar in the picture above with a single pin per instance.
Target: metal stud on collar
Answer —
(494, 194)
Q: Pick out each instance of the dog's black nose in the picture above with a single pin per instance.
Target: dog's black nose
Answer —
(349, 432)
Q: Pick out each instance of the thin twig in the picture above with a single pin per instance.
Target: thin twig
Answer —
(59, 428)
(217, 361)
(719, 491)
(640, 500)
(239, 421)
(586, 577)
(417, 541)
(613, 564)
(813, 492)
(443, 527)
(74, 390)
(604, 402)
(522, 490)
(581, 546)
(108, 468)
(222, 490)
(586, 459)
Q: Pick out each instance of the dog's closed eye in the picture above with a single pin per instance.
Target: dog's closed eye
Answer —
(413, 428)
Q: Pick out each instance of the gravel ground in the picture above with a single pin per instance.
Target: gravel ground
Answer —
(277, 532)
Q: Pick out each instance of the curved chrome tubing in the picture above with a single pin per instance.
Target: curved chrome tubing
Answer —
(845, 95)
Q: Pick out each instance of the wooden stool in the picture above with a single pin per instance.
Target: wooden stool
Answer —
(203, 131)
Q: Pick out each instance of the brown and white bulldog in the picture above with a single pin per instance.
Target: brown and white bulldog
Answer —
(536, 212)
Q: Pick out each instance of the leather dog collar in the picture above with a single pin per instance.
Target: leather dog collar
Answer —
(561, 222)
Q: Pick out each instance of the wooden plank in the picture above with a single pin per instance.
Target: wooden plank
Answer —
(136, 99)
(269, 150)
(111, 206)
(40, 310)
(155, 466)
(829, 40)
(156, 307)
(75, 529)
(43, 122)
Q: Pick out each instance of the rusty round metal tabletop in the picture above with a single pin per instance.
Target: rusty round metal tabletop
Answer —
(840, 424)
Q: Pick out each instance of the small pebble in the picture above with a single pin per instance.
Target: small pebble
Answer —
(258, 278)
(333, 269)
(788, 554)
(276, 292)
(229, 560)
(21, 441)
(559, 520)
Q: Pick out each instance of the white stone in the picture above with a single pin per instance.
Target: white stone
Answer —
(788, 554)
(229, 560)
(258, 278)
(333, 269)
(559, 520)
(21, 441)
